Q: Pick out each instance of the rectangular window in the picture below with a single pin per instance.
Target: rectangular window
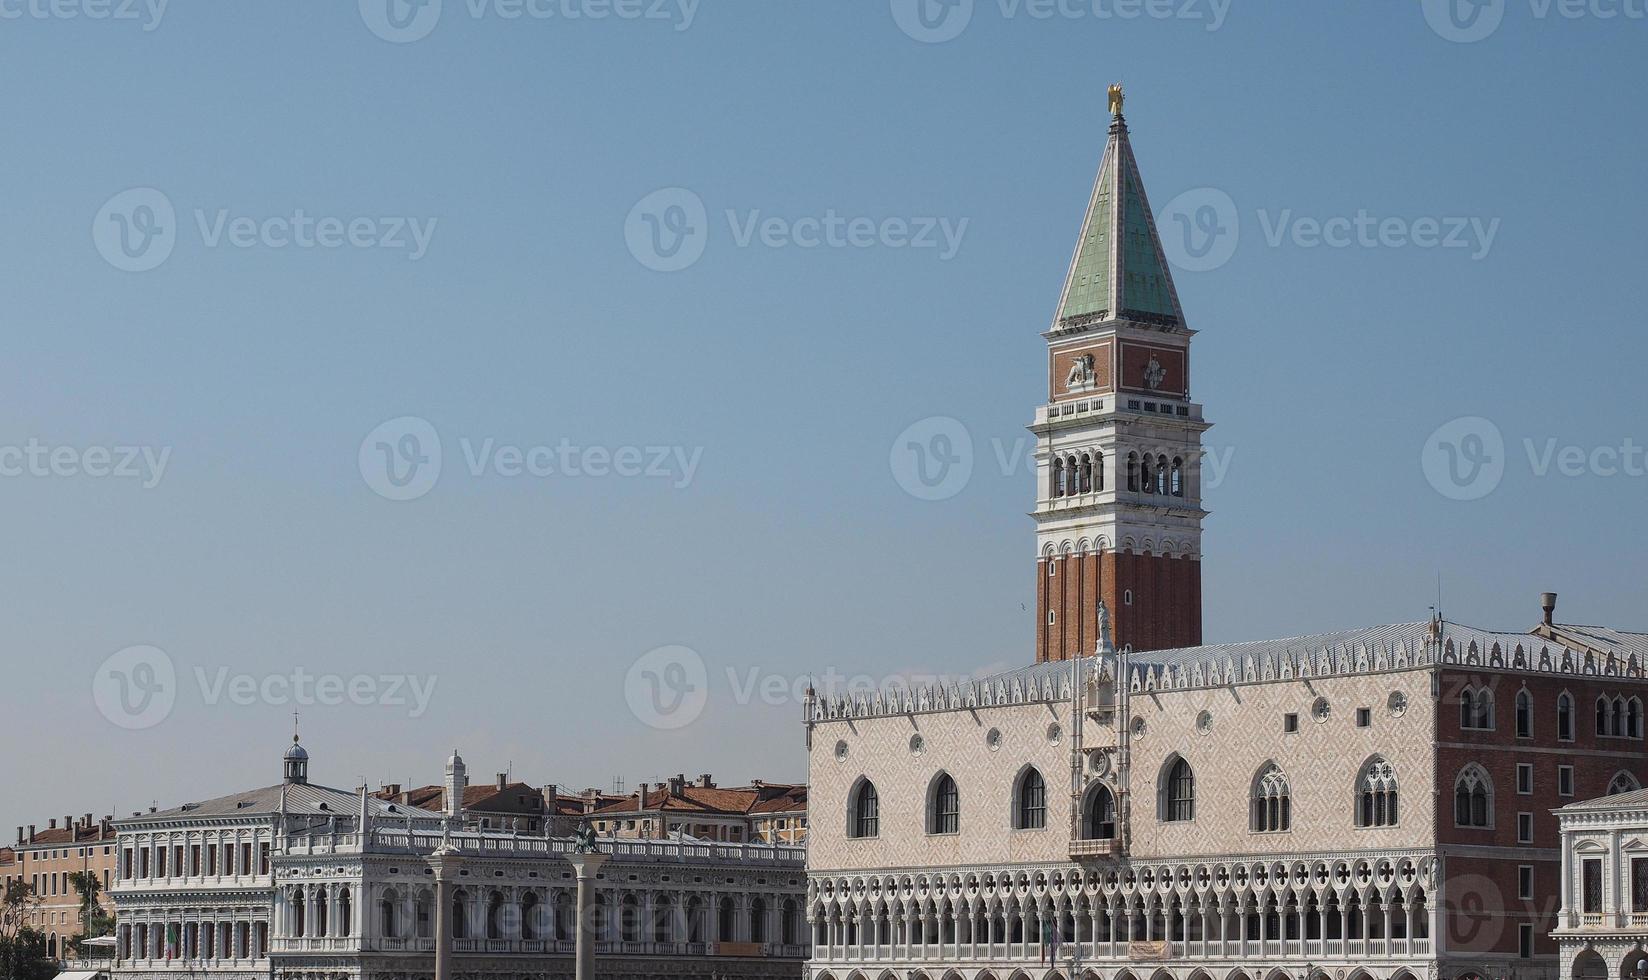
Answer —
(194, 860)
(1525, 940)
(246, 859)
(1591, 886)
(211, 859)
(1364, 717)
(1524, 828)
(1525, 778)
(1565, 780)
(1525, 881)
(263, 858)
(1639, 884)
(1290, 722)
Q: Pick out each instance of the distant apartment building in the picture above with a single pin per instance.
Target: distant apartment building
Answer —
(47, 859)
(506, 804)
(760, 813)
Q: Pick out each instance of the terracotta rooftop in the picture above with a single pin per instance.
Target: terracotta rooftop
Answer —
(711, 800)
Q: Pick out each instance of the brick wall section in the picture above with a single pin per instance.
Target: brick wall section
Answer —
(1165, 614)
(1484, 894)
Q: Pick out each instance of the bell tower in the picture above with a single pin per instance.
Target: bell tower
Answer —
(1119, 441)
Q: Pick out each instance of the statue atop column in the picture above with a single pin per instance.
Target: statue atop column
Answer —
(583, 839)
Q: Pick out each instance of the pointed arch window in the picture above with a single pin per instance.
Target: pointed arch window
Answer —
(1376, 795)
(1178, 793)
(1030, 801)
(1099, 814)
(1565, 717)
(1272, 801)
(1473, 798)
(1524, 714)
(1633, 718)
(944, 806)
(1623, 782)
(1476, 709)
(864, 811)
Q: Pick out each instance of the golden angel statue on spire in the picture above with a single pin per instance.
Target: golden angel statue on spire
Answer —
(1117, 97)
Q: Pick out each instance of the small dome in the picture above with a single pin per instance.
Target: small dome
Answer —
(456, 759)
(296, 752)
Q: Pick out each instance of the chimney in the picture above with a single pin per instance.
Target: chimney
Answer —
(552, 798)
(503, 781)
(678, 785)
(19, 835)
(31, 833)
(1547, 602)
(51, 824)
(86, 821)
(706, 781)
(105, 827)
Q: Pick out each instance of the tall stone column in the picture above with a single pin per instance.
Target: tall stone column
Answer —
(587, 866)
(445, 863)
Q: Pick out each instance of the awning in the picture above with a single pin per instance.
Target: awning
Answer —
(80, 975)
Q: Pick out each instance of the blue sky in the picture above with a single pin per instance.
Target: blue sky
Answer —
(781, 373)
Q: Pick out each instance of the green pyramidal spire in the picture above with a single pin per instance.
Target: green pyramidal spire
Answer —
(1119, 271)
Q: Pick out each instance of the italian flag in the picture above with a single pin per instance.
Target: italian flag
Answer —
(171, 940)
